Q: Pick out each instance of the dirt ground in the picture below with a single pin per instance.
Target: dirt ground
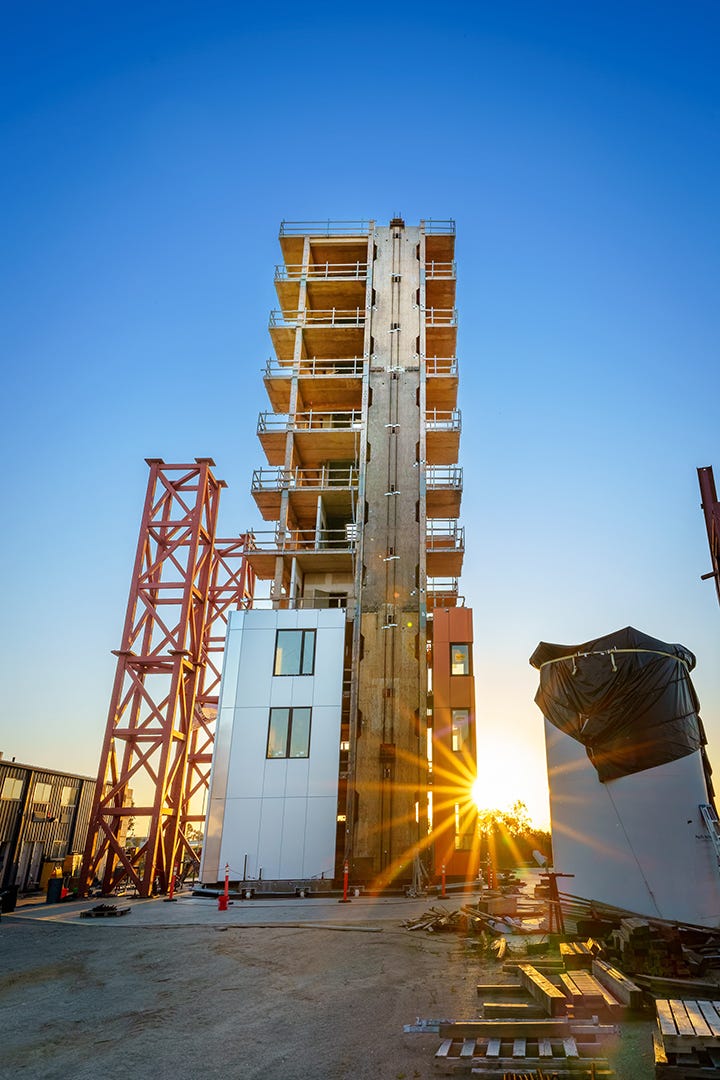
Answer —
(109, 999)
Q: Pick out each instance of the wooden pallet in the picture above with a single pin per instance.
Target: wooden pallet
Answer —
(552, 1056)
(686, 1026)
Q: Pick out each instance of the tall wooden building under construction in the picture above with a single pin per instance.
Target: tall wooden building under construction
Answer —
(346, 724)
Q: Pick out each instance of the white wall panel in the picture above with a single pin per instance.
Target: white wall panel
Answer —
(637, 842)
(281, 812)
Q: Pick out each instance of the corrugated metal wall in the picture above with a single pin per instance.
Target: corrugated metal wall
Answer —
(45, 817)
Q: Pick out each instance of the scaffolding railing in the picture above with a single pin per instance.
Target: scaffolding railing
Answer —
(443, 592)
(326, 228)
(444, 476)
(312, 420)
(437, 225)
(443, 420)
(440, 316)
(444, 534)
(441, 365)
(334, 317)
(440, 270)
(342, 367)
(289, 541)
(326, 476)
(355, 271)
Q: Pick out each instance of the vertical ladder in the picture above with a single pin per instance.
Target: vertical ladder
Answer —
(709, 816)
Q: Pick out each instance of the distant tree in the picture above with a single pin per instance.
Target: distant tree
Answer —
(508, 837)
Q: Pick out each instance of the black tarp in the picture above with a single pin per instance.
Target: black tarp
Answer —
(626, 697)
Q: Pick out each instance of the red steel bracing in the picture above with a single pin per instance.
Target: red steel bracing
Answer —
(711, 509)
(153, 719)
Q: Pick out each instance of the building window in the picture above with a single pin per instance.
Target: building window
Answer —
(12, 788)
(58, 849)
(294, 652)
(459, 659)
(289, 733)
(67, 798)
(460, 729)
(41, 794)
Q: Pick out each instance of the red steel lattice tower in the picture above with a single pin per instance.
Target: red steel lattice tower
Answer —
(158, 741)
(711, 510)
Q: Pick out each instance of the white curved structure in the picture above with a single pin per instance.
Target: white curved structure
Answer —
(638, 842)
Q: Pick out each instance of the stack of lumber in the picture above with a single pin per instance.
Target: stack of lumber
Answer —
(687, 1039)
(645, 949)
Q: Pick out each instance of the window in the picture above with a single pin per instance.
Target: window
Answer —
(460, 728)
(41, 794)
(459, 659)
(12, 788)
(67, 797)
(289, 733)
(294, 652)
(58, 849)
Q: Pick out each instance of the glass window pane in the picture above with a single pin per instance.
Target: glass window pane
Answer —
(287, 652)
(308, 657)
(12, 788)
(41, 794)
(460, 728)
(278, 733)
(300, 733)
(459, 659)
(68, 796)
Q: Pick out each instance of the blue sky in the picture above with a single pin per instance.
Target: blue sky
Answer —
(150, 152)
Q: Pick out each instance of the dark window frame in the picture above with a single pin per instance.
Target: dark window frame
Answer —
(290, 710)
(307, 634)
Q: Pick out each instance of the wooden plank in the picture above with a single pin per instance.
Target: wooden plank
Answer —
(665, 1018)
(550, 996)
(468, 1048)
(696, 1018)
(506, 1029)
(519, 1047)
(444, 1049)
(659, 1049)
(710, 1014)
(683, 1023)
(570, 1048)
(545, 1048)
(622, 988)
(493, 1048)
(571, 989)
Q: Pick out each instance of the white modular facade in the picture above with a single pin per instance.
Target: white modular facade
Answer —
(275, 816)
(638, 842)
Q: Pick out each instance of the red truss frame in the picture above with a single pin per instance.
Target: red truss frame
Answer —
(158, 740)
(711, 509)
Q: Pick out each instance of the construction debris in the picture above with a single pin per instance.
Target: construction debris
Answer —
(104, 911)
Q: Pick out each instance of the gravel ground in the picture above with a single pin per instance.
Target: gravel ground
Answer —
(240, 999)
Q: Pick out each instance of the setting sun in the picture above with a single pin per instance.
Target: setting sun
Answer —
(509, 773)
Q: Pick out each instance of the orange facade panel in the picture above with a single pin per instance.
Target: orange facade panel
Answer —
(454, 765)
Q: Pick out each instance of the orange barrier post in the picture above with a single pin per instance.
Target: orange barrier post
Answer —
(346, 872)
(443, 893)
(224, 900)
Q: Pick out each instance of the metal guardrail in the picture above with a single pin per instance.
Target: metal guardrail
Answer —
(445, 270)
(342, 367)
(310, 421)
(443, 420)
(356, 271)
(326, 228)
(444, 534)
(305, 540)
(268, 479)
(437, 225)
(440, 316)
(318, 317)
(441, 365)
(440, 477)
